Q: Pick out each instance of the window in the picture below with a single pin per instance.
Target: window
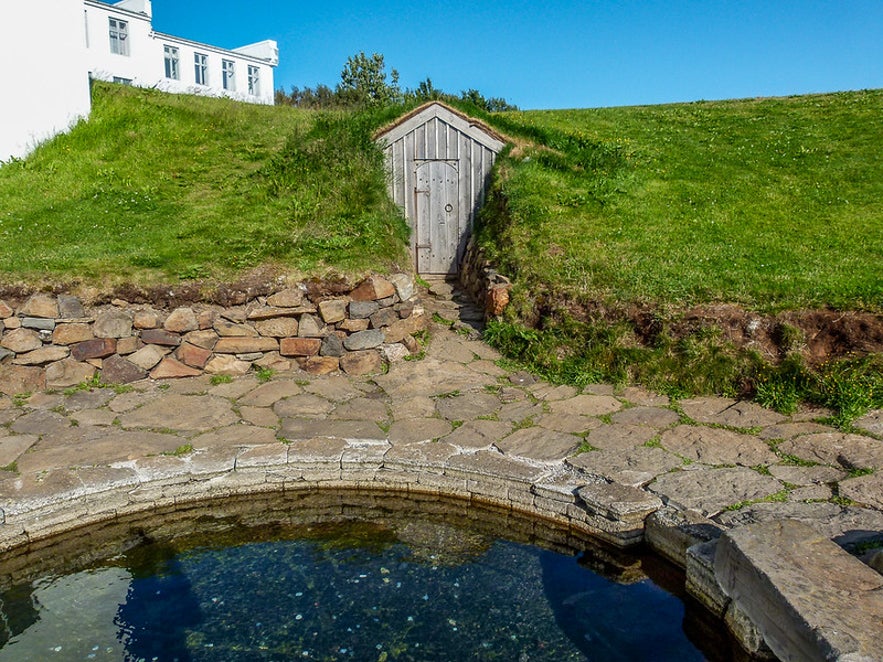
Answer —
(228, 68)
(200, 65)
(171, 55)
(122, 81)
(254, 81)
(119, 36)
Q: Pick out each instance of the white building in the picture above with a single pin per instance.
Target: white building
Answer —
(46, 90)
(122, 46)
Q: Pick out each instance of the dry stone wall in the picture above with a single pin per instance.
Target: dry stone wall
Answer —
(482, 282)
(53, 341)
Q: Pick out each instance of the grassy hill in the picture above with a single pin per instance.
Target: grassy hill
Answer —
(157, 186)
(770, 203)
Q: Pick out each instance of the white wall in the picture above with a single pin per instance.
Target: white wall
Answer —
(145, 64)
(45, 85)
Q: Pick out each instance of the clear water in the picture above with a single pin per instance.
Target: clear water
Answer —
(357, 588)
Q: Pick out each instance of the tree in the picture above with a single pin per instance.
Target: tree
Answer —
(363, 81)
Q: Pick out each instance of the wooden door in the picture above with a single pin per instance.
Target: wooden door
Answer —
(438, 237)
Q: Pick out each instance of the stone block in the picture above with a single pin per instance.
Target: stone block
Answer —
(810, 599)
(246, 345)
(401, 329)
(68, 334)
(289, 298)
(42, 356)
(11, 323)
(171, 368)
(372, 289)
(332, 345)
(148, 356)
(384, 317)
(68, 372)
(309, 327)
(403, 284)
(181, 320)
(354, 325)
(228, 329)
(117, 370)
(38, 323)
(277, 327)
(271, 312)
(363, 309)
(128, 345)
(160, 337)
(146, 319)
(113, 324)
(670, 532)
(21, 341)
(227, 364)
(299, 346)
(97, 348)
(70, 307)
(701, 582)
(619, 502)
(364, 340)
(194, 356)
(204, 338)
(40, 305)
(319, 365)
(5, 310)
(333, 310)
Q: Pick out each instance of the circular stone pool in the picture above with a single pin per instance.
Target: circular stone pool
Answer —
(343, 576)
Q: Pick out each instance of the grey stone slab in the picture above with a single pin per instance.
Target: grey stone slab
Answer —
(845, 525)
(478, 434)
(654, 417)
(809, 599)
(707, 445)
(99, 417)
(467, 406)
(316, 451)
(39, 423)
(13, 446)
(620, 437)
(572, 423)
(260, 416)
(671, 532)
(551, 393)
(88, 399)
(303, 405)
(701, 581)
(419, 406)
(540, 444)
(419, 456)
(268, 394)
(803, 476)
(362, 409)
(38, 323)
(430, 377)
(334, 388)
(586, 405)
(709, 491)
(725, 411)
(364, 340)
(196, 413)
(267, 455)
(789, 430)
(871, 422)
(234, 436)
(418, 429)
(637, 395)
(495, 465)
(450, 349)
(521, 411)
(628, 466)
(619, 502)
(298, 429)
(850, 451)
(865, 490)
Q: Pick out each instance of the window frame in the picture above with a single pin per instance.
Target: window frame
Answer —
(200, 68)
(172, 59)
(254, 80)
(228, 75)
(118, 33)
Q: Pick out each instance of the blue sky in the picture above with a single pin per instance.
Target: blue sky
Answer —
(562, 54)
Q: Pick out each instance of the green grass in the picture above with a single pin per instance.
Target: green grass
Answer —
(769, 203)
(155, 187)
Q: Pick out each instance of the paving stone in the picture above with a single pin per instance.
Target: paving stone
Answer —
(450, 350)
(846, 525)
(619, 502)
(709, 491)
(296, 429)
(419, 406)
(809, 599)
(40, 305)
(227, 364)
(866, 490)
(796, 475)
(789, 430)
(13, 446)
(260, 416)
(620, 437)
(234, 436)
(654, 417)
(417, 429)
(361, 409)
(725, 411)
(148, 356)
(68, 372)
(171, 368)
(302, 405)
(117, 370)
(95, 417)
(540, 444)
(16, 379)
(21, 340)
(478, 434)
(279, 327)
(181, 412)
(671, 532)
(316, 450)
(42, 356)
(275, 362)
(717, 446)
(871, 422)
(181, 320)
(40, 423)
(68, 334)
(336, 388)
(521, 412)
(365, 362)
(300, 346)
(637, 395)
(850, 451)
(467, 406)
(550, 392)
(113, 324)
(44, 401)
(97, 348)
(267, 394)
(495, 465)
(811, 493)
(418, 456)
(227, 329)
(586, 405)
(631, 466)
(487, 368)
(320, 365)
(571, 423)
